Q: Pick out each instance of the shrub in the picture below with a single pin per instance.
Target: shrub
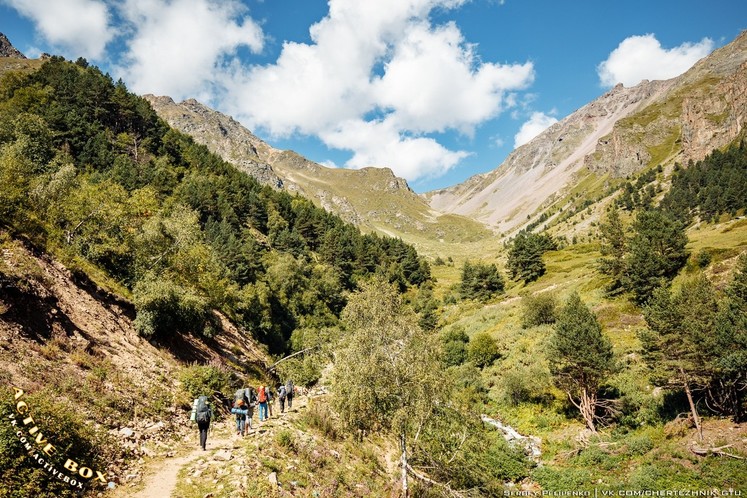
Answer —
(640, 445)
(454, 342)
(319, 416)
(554, 479)
(455, 353)
(482, 350)
(703, 258)
(305, 371)
(286, 439)
(525, 383)
(538, 310)
(164, 307)
(203, 380)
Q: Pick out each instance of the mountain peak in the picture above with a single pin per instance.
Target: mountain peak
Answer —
(621, 132)
(8, 50)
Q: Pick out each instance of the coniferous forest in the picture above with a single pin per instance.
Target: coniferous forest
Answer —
(90, 173)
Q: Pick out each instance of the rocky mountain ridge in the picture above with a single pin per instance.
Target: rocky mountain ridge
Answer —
(8, 50)
(621, 132)
(372, 198)
(535, 172)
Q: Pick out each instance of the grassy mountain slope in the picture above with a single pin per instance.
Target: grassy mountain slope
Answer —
(372, 198)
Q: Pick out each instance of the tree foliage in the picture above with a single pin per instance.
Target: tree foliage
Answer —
(387, 379)
(384, 377)
(482, 350)
(580, 357)
(91, 172)
(613, 249)
(525, 256)
(656, 252)
(454, 343)
(696, 341)
(480, 281)
(710, 187)
(728, 387)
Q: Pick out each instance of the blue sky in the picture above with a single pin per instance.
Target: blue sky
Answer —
(437, 90)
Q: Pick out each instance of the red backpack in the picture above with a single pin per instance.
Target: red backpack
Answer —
(262, 396)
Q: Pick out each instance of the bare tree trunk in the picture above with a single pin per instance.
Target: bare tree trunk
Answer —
(405, 491)
(587, 405)
(693, 409)
(588, 409)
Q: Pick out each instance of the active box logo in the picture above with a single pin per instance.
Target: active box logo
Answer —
(44, 452)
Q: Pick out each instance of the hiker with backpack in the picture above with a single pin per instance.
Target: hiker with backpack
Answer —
(289, 393)
(250, 394)
(281, 397)
(202, 413)
(270, 399)
(262, 399)
(239, 409)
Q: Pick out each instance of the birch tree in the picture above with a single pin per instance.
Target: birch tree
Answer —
(386, 375)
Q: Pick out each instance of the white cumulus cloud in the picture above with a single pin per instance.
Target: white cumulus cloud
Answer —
(184, 48)
(381, 143)
(376, 78)
(79, 28)
(433, 81)
(537, 123)
(642, 57)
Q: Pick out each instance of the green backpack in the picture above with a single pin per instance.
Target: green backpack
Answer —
(202, 409)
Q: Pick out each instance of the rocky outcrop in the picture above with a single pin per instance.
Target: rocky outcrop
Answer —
(538, 170)
(220, 133)
(621, 132)
(713, 119)
(701, 110)
(8, 50)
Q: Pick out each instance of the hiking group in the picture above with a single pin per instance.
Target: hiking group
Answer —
(246, 399)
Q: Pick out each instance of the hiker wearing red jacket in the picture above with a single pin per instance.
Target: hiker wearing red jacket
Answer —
(262, 399)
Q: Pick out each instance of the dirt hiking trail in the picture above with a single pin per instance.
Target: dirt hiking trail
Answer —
(160, 480)
(161, 477)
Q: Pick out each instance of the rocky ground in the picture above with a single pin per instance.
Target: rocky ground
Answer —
(232, 465)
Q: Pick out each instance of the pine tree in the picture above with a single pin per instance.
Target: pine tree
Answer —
(613, 248)
(729, 384)
(656, 253)
(525, 256)
(480, 281)
(679, 338)
(580, 357)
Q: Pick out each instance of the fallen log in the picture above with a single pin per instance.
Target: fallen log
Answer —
(716, 452)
